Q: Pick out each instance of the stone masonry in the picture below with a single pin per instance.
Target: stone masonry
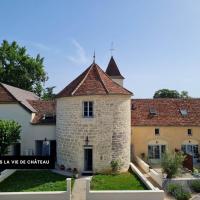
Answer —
(109, 131)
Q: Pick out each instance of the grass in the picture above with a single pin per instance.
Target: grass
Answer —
(123, 181)
(34, 181)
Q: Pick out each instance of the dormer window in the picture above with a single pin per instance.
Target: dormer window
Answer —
(152, 111)
(184, 112)
(88, 109)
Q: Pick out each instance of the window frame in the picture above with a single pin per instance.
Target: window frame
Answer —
(155, 151)
(157, 129)
(189, 130)
(88, 109)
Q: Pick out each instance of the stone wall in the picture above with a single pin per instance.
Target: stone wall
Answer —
(108, 131)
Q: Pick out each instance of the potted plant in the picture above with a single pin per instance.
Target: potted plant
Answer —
(62, 167)
(143, 156)
(75, 173)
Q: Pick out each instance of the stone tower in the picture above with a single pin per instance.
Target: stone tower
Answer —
(114, 73)
(93, 122)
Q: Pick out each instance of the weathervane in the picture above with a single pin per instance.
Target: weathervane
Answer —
(112, 48)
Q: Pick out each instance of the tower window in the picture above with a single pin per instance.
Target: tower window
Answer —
(88, 109)
(157, 131)
(189, 131)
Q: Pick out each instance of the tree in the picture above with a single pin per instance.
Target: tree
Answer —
(48, 93)
(19, 69)
(166, 93)
(9, 134)
(171, 163)
(184, 95)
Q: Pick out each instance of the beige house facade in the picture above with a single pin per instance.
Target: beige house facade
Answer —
(161, 125)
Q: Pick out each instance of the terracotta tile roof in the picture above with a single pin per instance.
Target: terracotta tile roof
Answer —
(19, 95)
(112, 69)
(93, 81)
(45, 111)
(5, 96)
(167, 112)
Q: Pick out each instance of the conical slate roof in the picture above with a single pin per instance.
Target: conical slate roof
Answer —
(93, 81)
(112, 69)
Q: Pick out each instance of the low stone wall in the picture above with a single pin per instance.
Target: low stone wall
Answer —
(144, 166)
(6, 173)
(125, 195)
(152, 173)
(64, 195)
(153, 194)
(182, 181)
(156, 177)
(142, 177)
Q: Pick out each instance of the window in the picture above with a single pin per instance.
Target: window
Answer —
(191, 149)
(152, 111)
(157, 131)
(88, 109)
(156, 151)
(189, 131)
(183, 112)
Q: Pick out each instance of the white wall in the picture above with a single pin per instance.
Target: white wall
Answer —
(6, 173)
(152, 173)
(34, 196)
(144, 166)
(142, 177)
(29, 132)
(156, 177)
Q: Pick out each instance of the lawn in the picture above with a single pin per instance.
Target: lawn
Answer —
(123, 181)
(33, 181)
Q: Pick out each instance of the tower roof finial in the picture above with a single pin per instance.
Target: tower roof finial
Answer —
(94, 56)
(112, 48)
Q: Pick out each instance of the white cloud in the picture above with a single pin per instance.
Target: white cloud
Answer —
(40, 46)
(80, 54)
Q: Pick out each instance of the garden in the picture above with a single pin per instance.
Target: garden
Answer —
(123, 181)
(172, 167)
(34, 181)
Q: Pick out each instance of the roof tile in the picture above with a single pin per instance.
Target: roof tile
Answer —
(93, 81)
(168, 112)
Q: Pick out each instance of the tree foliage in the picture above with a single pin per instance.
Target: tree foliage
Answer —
(9, 134)
(171, 163)
(48, 93)
(166, 93)
(19, 69)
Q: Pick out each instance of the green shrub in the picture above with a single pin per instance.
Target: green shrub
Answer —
(115, 166)
(171, 163)
(178, 191)
(171, 188)
(195, 185)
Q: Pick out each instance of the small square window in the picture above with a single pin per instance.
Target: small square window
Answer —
(189, 131)
(88, 109)
(157, 131)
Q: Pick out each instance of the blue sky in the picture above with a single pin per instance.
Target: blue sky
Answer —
(157, 42)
